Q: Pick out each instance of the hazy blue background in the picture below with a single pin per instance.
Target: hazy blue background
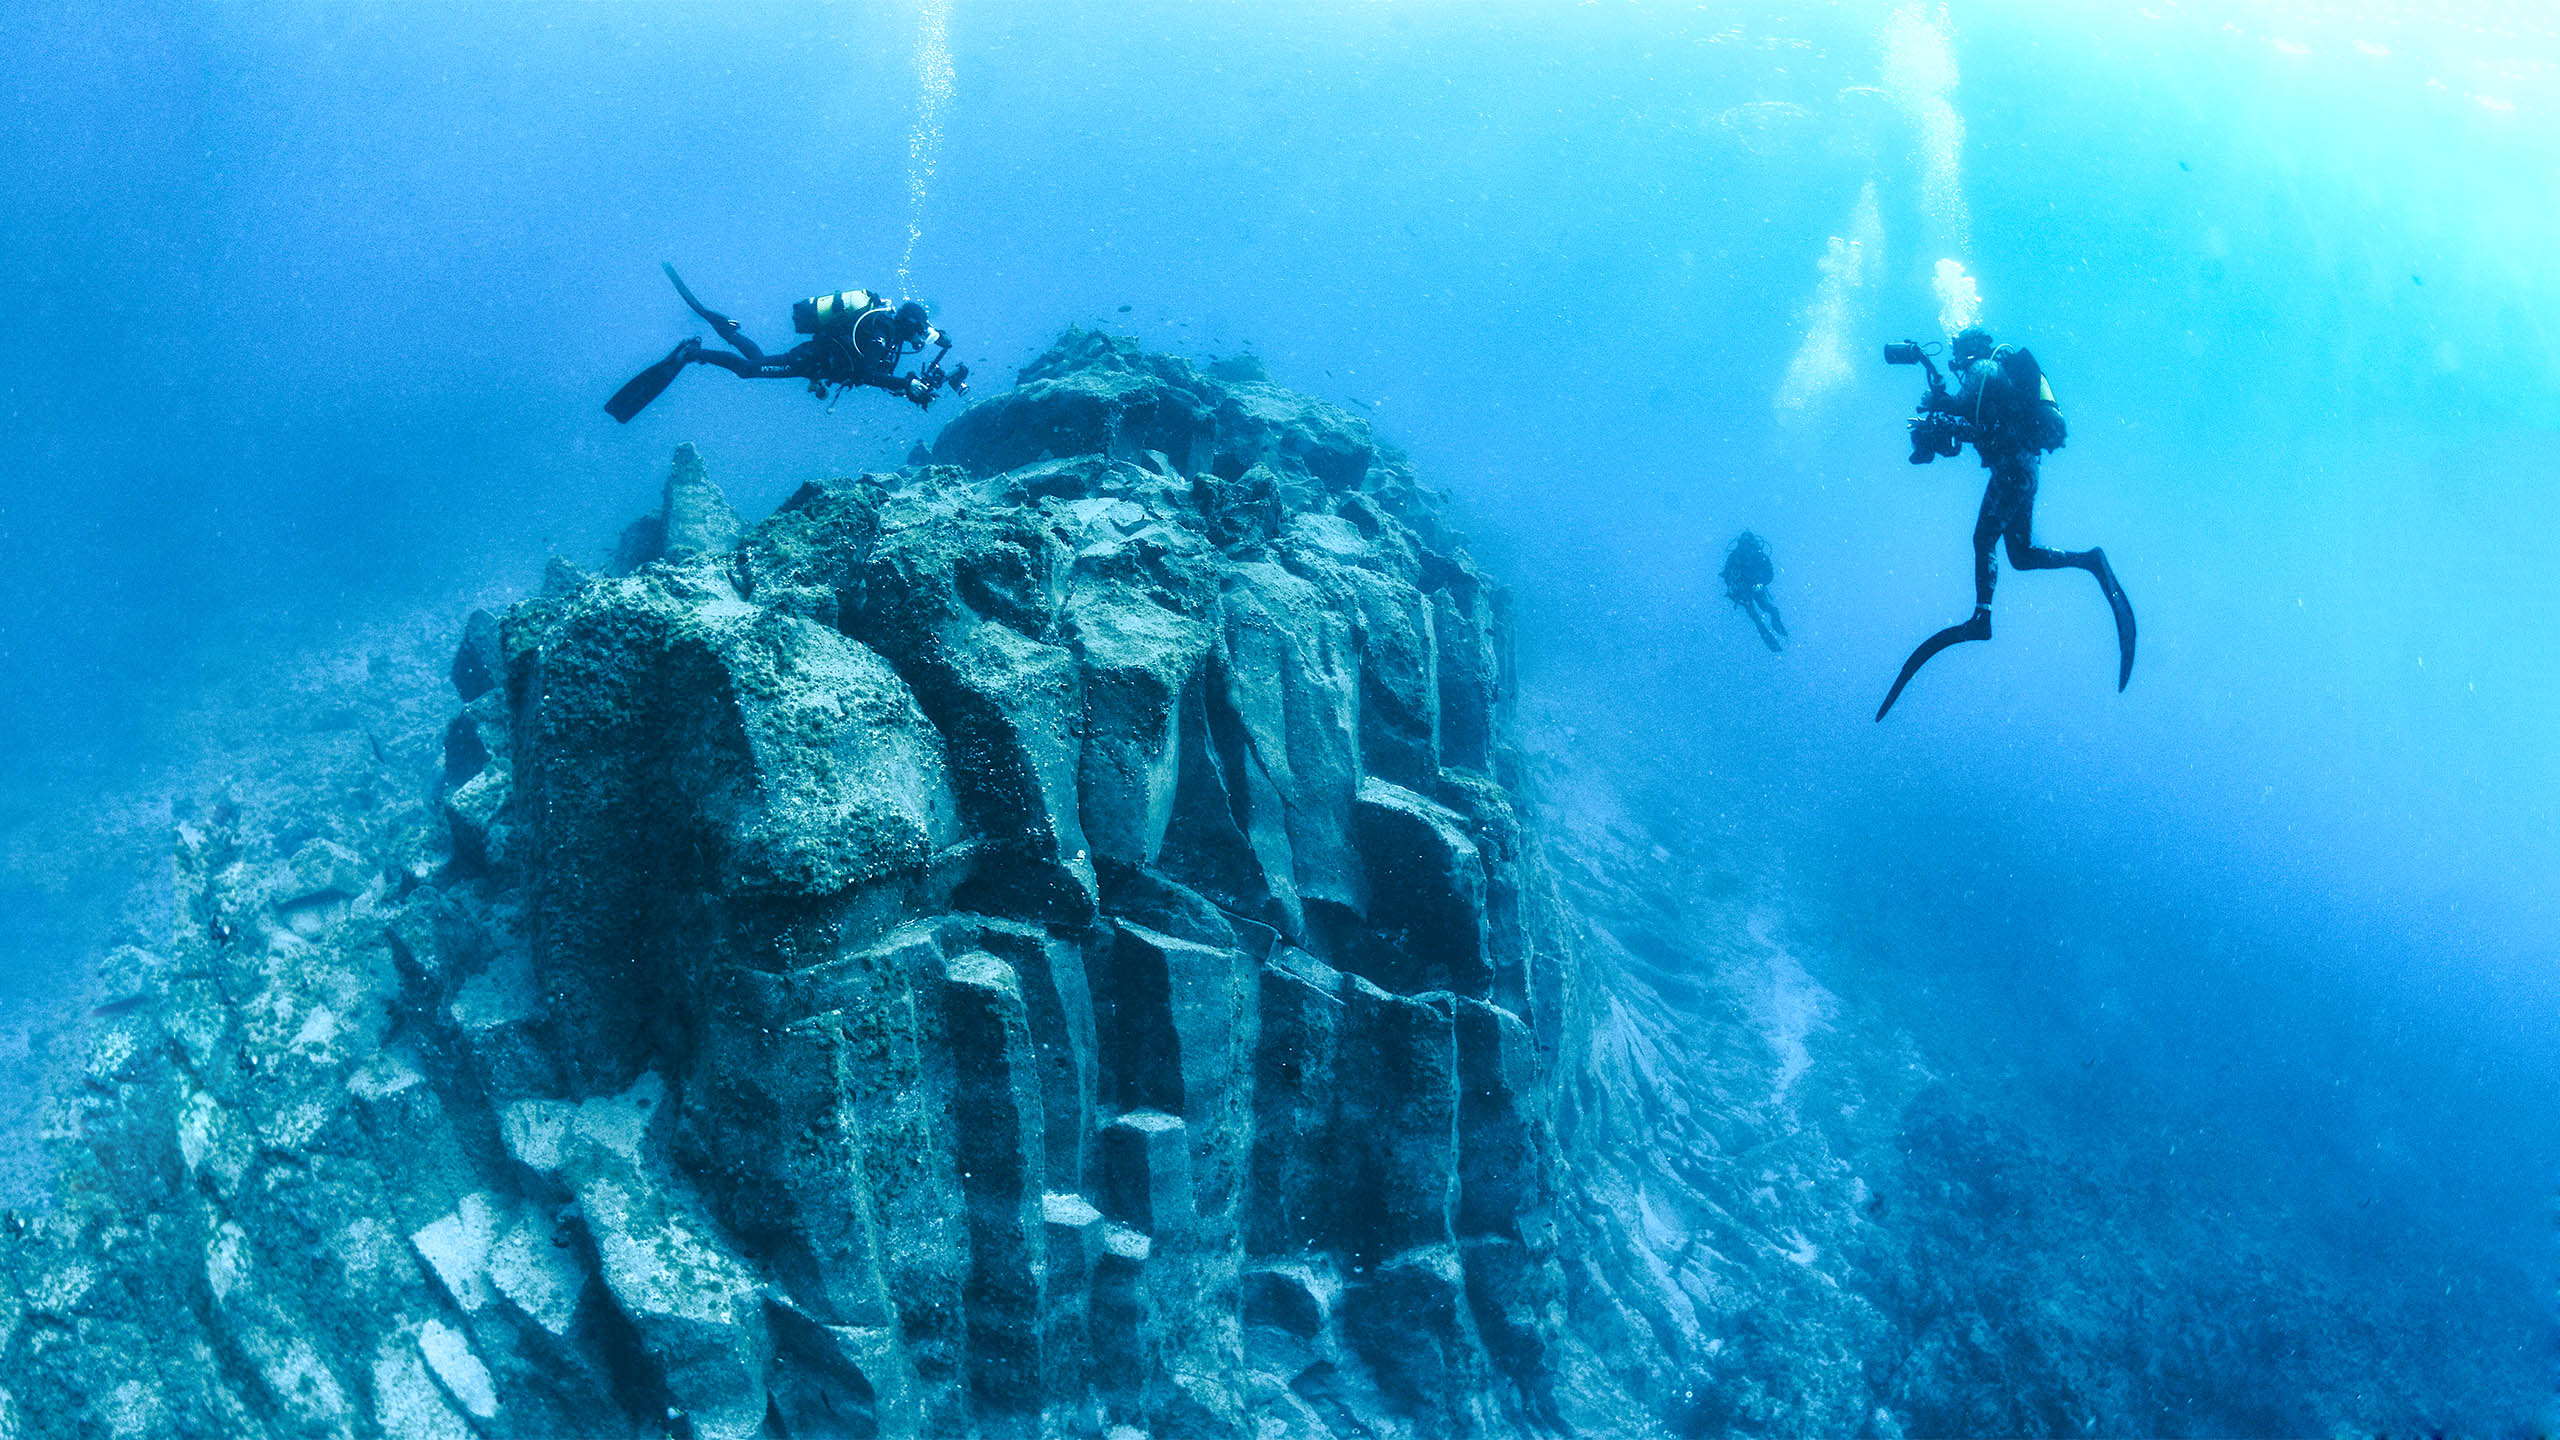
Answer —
(309, 309)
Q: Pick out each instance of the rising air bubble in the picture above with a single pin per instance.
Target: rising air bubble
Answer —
(1837, 311)
(924, 143)
(1959, 298)
(1920, 75)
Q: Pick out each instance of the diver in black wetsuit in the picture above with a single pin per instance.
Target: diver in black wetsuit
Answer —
(855, 338)
(1747, 573)
(2002, 406)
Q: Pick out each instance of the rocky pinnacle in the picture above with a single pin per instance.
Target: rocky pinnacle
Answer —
(1042, 943)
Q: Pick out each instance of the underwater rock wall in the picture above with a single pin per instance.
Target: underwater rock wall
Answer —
(1043, 942)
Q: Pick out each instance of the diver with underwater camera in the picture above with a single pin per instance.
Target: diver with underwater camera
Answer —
(2003, 407)
(855, 338)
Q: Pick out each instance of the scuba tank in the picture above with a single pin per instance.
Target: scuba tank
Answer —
(834, 314)
(856, 320)
(2034, 411)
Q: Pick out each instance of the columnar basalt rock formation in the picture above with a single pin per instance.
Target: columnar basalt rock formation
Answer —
(1042, 943)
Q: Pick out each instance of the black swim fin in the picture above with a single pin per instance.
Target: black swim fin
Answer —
(646, 386)
(1977, 628)
(730, 330)
(2124, 617)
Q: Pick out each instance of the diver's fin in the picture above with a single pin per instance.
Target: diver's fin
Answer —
(2124, 616)
(646, 386)
(682, 289)
(1977, 628)
(731, 332)
(1776, 645)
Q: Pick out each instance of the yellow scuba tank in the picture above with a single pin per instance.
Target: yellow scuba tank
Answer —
(834, 314)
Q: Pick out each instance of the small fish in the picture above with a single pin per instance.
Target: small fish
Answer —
(2183, 165)
(1124, 309)
(114, 1008)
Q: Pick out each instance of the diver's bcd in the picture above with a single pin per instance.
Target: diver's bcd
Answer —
(2039, 415)
(833, 314)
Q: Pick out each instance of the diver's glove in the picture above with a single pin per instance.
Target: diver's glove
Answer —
(920, 392)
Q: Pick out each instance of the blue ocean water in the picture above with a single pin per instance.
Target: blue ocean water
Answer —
(309, 309)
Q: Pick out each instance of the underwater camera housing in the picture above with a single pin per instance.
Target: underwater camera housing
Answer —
(1932, 434)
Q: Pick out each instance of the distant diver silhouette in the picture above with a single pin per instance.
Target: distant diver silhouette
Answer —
(855, 338)
(1747, 573)
(2003, 407)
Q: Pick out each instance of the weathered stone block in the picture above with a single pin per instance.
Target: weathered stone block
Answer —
(1176, 1022)
(1296, 1157)
(1463, 643)
(1057, 1002)
(965, 609)
(1072, 1247)
(1500, 1174)
(1293, 680)
(1409, 1319)
(1426, 886)
(1146, 1176)
(1225, 837)
(1399, 680)
(1398, 1122)
(996, 1130)
(1124, 1357)
(1137, 658)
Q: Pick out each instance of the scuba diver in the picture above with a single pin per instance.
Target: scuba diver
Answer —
(855, 338)
(1747, 573)
(2002, 406)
